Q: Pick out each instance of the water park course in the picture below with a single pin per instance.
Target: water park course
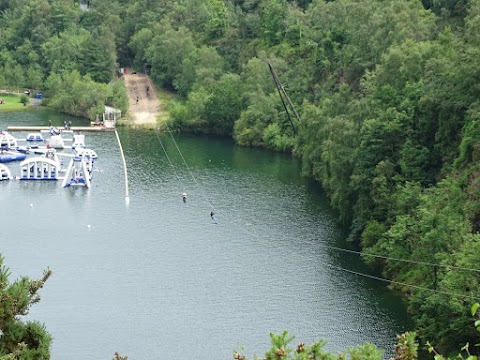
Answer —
(39, 159)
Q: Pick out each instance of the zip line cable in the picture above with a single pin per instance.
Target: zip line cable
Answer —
(150, 86)
(169, 160)
(335, 247)
(200, 186)
(255, 235)
(159, 138)
(258, 237)
(188, 168)
(401, 283)
(339, 268)
(404, 260)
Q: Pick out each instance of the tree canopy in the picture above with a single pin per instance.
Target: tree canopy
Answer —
(387, 92)
(21, 340)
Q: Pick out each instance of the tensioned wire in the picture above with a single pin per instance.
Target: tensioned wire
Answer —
(161, 142)
(403, 284)
(169, 160)
(403, 260)
(190, 172)
(337, 248)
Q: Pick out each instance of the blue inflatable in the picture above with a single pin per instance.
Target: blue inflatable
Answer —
(12, 157)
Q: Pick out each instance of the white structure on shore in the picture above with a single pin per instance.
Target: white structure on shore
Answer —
(110, 117)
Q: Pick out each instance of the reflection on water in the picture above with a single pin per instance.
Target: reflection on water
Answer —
(158, 277)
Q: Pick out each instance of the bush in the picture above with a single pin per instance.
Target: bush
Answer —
(24, 100)
(275, 140)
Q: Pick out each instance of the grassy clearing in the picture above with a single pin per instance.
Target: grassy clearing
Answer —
(11, 103)
(166, 98)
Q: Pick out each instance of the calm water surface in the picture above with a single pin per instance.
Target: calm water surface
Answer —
(158, 279)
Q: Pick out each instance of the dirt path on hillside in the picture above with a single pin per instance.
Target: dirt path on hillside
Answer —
(144, 104)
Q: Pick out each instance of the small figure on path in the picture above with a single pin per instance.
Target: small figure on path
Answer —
(137, 100)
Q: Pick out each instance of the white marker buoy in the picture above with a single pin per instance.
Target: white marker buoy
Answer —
(31, 205)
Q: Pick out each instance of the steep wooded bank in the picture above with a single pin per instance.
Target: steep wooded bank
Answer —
(388, 99)
(387, 92)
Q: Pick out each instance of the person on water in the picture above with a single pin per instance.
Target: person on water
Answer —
(184, 197)
(211, 214)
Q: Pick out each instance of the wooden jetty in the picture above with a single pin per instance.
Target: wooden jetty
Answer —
(47, 128)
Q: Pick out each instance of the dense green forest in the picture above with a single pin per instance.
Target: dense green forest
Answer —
(387, 93)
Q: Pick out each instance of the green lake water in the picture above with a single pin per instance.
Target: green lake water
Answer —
(157, 278)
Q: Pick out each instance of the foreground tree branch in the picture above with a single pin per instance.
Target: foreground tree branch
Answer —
(21, 340)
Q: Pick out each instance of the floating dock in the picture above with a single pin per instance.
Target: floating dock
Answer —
(47, 128)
